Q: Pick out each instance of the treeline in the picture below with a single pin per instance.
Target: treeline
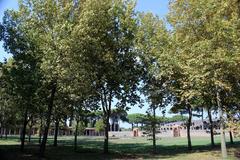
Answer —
(138, 119)
(74, 57)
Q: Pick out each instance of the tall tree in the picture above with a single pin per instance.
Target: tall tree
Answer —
(105, 35)
(25, 75)
(207, 34)
(152, 41)
(45, 27)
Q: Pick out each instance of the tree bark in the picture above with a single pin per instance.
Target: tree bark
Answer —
(29, 134)
(24, 130)
(106, 136)
(211, 127)
(154, 130)
(223, 140)
(40, 131)
(231, 137)
(30, 130)
(188, 127)
(75, 136)
(56, 132)
(50, 107)
(106, 106)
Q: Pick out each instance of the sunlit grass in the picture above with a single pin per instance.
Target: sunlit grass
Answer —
(124, 148)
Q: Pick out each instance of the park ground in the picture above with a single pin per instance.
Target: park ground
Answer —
(90, 148)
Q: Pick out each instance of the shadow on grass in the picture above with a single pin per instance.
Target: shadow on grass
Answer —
(92, 149)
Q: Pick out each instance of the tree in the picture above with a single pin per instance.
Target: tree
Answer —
(136, 118)
(152, 41)
(24, 73)
(42, 28)
(82, 107)
(105, 35)
(9, 113)
(208, 30)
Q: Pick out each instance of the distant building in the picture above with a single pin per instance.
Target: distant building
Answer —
(196, 125)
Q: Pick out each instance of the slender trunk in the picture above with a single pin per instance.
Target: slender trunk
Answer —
(40, 131)
(188, 128)
(223, 141)
(231, 137)
(30, 130)
(211, 127)
(56, 133)
(48, 121)
(75, 136)
(106, 134)
(24, 130)
(106, 105)
(29, 134)
(132, 126)
(154, 130)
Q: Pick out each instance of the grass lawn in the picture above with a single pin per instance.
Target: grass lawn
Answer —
(90, 148)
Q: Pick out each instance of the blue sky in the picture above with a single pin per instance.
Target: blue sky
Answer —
(158, 7)
(5, 4)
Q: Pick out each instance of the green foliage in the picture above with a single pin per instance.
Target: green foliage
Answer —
(98, 51)
(100, 126)
(175, 118)
(136, 118)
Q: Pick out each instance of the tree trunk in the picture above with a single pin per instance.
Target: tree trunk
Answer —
(223, 141)
(75, 136)
(211, 127)
(56, 133)
(231, 137)
(40, 131)
(50, 107)
(24, 130)
(132, 126)
(106, 134)
(29, 134)
(188, 128)
(30, 130)
(154, 130)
